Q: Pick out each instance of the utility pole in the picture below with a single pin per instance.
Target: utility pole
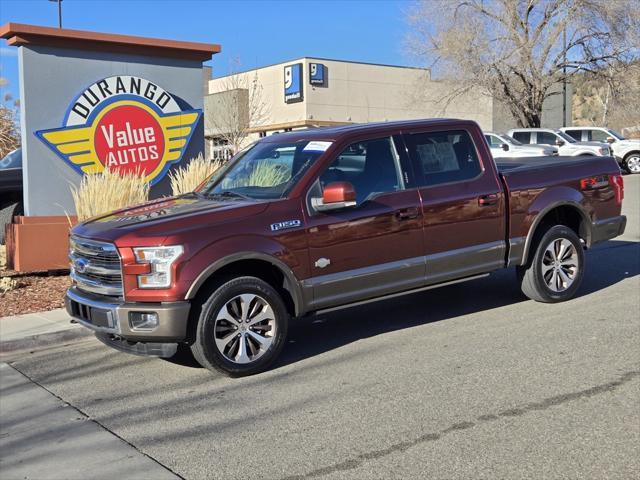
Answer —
(564, 77)
(59, 2)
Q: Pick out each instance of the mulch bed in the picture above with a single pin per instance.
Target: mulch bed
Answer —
(34, 294)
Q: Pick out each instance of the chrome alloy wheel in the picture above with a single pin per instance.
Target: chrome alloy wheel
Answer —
(633, 163)
(560, 265)
(245, 328)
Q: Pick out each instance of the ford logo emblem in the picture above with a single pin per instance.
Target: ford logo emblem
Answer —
(80, 265)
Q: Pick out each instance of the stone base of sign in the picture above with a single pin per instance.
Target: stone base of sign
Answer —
(36, 244)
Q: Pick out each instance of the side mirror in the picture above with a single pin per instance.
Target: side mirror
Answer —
(559, 142)
(505, 147)
(336, 195)
(610, 140)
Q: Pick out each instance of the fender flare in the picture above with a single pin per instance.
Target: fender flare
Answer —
(292, 284)
(538, 219)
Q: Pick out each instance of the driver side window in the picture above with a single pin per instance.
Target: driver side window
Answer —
(371, 166)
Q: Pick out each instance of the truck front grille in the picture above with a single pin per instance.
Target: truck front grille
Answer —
(95, 267)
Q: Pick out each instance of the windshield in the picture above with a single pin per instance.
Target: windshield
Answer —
(510, 140)
(265, 171)
(615, 134)
(565, 136)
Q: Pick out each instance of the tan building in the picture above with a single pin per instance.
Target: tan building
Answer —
(312, 92)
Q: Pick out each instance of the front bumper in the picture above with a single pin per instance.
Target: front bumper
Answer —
(113, 319)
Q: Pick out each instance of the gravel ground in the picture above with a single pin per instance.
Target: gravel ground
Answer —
(34, 294)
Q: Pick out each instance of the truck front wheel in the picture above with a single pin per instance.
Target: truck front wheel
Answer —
(242, 327)
(632, 163)
(555, 272)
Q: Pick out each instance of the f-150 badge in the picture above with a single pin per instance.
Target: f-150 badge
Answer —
(124, 124)
(286, 224)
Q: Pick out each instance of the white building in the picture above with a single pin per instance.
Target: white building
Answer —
(312, 92)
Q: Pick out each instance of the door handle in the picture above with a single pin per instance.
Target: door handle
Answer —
(490, 199)
(407, 213)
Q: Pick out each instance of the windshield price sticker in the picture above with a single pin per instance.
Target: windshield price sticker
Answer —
(317, 146)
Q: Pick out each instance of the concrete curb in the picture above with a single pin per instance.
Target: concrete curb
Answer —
(44, 339)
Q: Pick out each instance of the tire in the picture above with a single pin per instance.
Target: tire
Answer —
(543, 278)
(6, 216)
(234, 348)
(632, 163)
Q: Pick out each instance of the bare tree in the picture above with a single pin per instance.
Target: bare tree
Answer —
(519, 51)
(9, 136)
(236, 109)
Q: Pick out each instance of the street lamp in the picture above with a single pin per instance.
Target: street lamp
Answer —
(59, 2)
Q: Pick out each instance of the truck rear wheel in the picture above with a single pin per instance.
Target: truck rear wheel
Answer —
(242, 327)
(632, 163)
(555, 272)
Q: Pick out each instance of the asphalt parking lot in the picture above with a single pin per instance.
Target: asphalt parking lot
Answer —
(468, 381)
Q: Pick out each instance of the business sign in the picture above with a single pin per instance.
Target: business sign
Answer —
(123, 123)
(317, 74)
(293, 83)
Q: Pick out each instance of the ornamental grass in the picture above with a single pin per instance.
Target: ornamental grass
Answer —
(185, 179)
(107, 191)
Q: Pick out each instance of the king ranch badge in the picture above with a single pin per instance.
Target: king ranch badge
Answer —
(125, 124)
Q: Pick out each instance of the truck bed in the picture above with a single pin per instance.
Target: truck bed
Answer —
(535, 184)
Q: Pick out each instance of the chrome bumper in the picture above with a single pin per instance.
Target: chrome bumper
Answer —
(111, 317)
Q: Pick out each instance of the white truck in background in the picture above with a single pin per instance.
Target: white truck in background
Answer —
(567, 146)
(626, 151)
(504, 146)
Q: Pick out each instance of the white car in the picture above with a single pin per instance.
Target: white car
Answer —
(503, 146)
(626, 151)
(566, 145)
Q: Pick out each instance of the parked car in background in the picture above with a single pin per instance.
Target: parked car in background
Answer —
(567, 146)
(626, 151)
(315, 220)
(10, 189)
(504, 146)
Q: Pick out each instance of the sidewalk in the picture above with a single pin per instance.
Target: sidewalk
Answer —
(43, 437)
(20, 332)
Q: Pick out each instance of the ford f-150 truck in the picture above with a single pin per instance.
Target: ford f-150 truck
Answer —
(316, 220)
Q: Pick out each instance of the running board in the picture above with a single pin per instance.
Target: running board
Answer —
(399, 294)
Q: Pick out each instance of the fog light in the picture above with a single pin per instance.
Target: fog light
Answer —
(143, 320)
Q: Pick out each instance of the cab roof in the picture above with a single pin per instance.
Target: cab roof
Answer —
(341, 131)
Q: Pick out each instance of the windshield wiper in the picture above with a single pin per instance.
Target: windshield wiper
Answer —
(229, 194)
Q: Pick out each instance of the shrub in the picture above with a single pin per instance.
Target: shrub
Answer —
(103, 192)
(185, 179)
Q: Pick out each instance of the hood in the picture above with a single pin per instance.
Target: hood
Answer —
(628, 142)
(161, 218)
(591, 144)
(534, 148)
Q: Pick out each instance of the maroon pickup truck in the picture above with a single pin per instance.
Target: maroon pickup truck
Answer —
(316, 220)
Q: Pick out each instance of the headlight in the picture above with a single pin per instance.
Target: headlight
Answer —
(161, 259)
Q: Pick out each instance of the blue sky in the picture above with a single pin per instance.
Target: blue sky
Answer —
(255, 32)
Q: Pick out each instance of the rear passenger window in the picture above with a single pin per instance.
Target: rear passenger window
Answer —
(523, 137)
(443, 157)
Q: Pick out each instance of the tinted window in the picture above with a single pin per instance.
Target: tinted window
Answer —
(524, 137)
(494, 141)
(546, 138)
(443, 157)
(598, 136)
(371, 166)
(575, 134)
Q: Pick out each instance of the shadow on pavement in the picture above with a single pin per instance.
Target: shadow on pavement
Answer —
(609, 264)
